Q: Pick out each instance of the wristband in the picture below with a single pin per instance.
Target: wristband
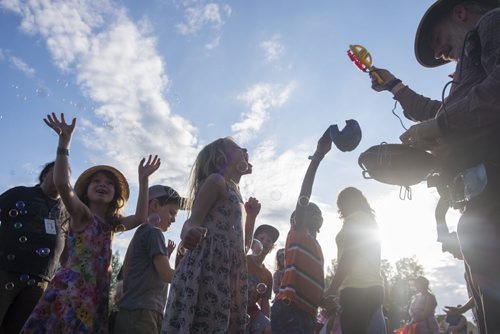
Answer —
(391, 84)
(62, 151)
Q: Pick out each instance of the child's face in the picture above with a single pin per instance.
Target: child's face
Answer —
(167, 214)
(101, 188)
(266, 241)
(237, 157)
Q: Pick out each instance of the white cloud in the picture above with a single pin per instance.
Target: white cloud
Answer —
(199, 16)
(19, 64)
(260, 98)
(272, 48)
(117, 66)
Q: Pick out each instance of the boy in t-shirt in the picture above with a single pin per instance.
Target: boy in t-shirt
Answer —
(146, 269)
(260, 281)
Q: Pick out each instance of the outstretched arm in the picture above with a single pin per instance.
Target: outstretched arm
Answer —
(416, 107)
(324, 146)
(146, 168)
(252, 208)
(79, 212)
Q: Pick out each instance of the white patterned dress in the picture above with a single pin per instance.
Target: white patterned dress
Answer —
(209, 289)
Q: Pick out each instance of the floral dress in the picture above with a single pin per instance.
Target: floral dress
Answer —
(76, 300)
(209, 289)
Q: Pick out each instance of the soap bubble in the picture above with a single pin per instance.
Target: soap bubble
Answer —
(275, 195)
(42, 92)
(261, 288)
(257, 247)
(154, 218)
(43, 252)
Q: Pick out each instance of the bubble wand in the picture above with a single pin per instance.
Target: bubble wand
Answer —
(363, 60)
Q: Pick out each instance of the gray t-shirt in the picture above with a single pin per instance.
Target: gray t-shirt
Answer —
(143, 287)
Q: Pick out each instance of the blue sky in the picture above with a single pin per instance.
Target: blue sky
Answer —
(169, 76)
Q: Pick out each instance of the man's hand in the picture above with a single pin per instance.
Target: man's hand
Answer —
(423, 135)
(385, 75)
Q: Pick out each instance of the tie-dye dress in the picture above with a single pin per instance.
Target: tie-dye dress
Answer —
(209, 289)
(76, 300)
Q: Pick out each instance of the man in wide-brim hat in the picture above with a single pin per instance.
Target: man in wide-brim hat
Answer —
(463, 131)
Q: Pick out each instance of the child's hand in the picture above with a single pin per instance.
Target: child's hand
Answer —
(146, 168)
(170, 247)
(324, 145)
(252, 207)
(193, 237)
(64, 130)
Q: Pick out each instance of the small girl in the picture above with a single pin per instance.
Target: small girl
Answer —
(76, 300)
(209, 289)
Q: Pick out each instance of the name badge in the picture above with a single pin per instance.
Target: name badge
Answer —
(50, 226)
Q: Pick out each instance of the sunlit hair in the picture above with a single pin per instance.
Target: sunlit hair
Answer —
(45, 170)
(211, 159)
(351, 200)
(115, 207)
(422, 283)
(280, 266)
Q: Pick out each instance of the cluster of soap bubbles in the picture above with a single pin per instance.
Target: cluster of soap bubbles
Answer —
(23, 278)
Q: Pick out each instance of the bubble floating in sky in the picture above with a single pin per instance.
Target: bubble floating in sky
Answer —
(275, 195)
(42, 92)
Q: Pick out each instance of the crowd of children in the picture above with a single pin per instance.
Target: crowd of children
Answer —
(217, 285)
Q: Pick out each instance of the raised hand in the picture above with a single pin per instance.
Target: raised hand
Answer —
(252, 207)
(63, 129)
(146, 168)
(324, 145)
(385, 75)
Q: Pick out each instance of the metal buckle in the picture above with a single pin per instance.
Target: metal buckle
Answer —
(468, 184)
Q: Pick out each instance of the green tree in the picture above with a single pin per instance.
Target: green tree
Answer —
(115, 268)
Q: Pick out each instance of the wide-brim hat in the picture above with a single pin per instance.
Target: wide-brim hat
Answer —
(270, 230)
(423, 51)
(83, 180)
